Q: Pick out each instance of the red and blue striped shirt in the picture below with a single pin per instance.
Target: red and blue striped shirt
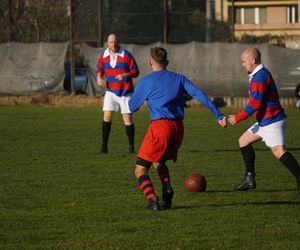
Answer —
(125, 64)
(264, 102)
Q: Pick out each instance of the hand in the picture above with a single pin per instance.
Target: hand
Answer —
(231, 119)
(100, 81)
(120, 77)
(223, 122)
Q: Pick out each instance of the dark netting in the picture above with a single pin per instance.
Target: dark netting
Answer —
(34, 21)
(139, 22)
(134, 23)
(186, 21)
(85, 20)
(4, 22)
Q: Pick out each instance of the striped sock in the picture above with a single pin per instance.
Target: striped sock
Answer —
(146, 186)
(163, 173)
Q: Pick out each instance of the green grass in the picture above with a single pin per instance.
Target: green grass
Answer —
(57, 193)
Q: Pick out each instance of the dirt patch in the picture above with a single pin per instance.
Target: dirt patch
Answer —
(59, 100)
(72, 100)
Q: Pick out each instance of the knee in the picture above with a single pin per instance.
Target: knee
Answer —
(278, 152)
(107, 117)
(139, 171)
(242, 142)
(127, 118)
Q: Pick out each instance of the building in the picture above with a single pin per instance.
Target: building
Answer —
(256, 18)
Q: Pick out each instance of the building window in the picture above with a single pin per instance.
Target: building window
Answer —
(292, 14)
(248, 15)
(254, 15)
(238, 14)
(262, 15)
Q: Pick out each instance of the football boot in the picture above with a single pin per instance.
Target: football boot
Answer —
(153, 204)
(167, 195)
(103, 149)
(131, 149)
(247, 183)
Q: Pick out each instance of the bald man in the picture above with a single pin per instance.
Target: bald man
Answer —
(119, 67)
(264, 105)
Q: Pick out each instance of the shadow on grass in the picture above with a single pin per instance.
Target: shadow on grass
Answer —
(256, 203)
(257, 191)
(220, 191)
(262, 203)
(235, 150)
(181, 207)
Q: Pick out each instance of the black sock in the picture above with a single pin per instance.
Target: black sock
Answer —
(130, 133)
(163, 173)
(291, 163)
(106, 126)
(249, 158)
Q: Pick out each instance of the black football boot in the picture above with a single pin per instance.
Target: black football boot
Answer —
(153, 204)
(167, 195)
(131, 149)
(247, 183)
(103, 149)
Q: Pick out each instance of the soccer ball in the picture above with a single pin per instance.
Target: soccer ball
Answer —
(195, 183)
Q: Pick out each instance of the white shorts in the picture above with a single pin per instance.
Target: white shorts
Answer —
(273, 134)
(112, 102)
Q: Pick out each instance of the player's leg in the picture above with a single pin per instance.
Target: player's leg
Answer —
(106, 127)
(248, 154)
(110, 105)
(128, 121)
(274, 137)
(154, 147)
(298, 104)
(145, 183)
(171, 132)
(130, 130)
(289, 161)
(167, 190)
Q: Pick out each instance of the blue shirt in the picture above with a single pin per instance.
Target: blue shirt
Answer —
(164, 91)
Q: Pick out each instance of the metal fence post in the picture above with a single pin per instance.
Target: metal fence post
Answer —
(72, 64)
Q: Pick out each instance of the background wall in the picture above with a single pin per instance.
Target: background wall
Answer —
(214, 67)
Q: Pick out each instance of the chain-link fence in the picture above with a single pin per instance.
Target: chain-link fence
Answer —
(138, 22)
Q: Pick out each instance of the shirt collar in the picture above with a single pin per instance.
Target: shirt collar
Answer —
(258, 68)
(119, 53)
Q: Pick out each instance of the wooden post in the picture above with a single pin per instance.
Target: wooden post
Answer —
(165, 7)
(208, 35)
(298, 11)
(72, 64)
(100, 24)
(11, 19)
(232, 21)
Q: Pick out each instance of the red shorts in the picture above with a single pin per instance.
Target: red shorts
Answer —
(162, 140)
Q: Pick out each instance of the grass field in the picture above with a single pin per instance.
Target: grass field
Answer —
(57, 193)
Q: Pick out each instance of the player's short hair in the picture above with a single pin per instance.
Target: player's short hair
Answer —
(160, 55)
